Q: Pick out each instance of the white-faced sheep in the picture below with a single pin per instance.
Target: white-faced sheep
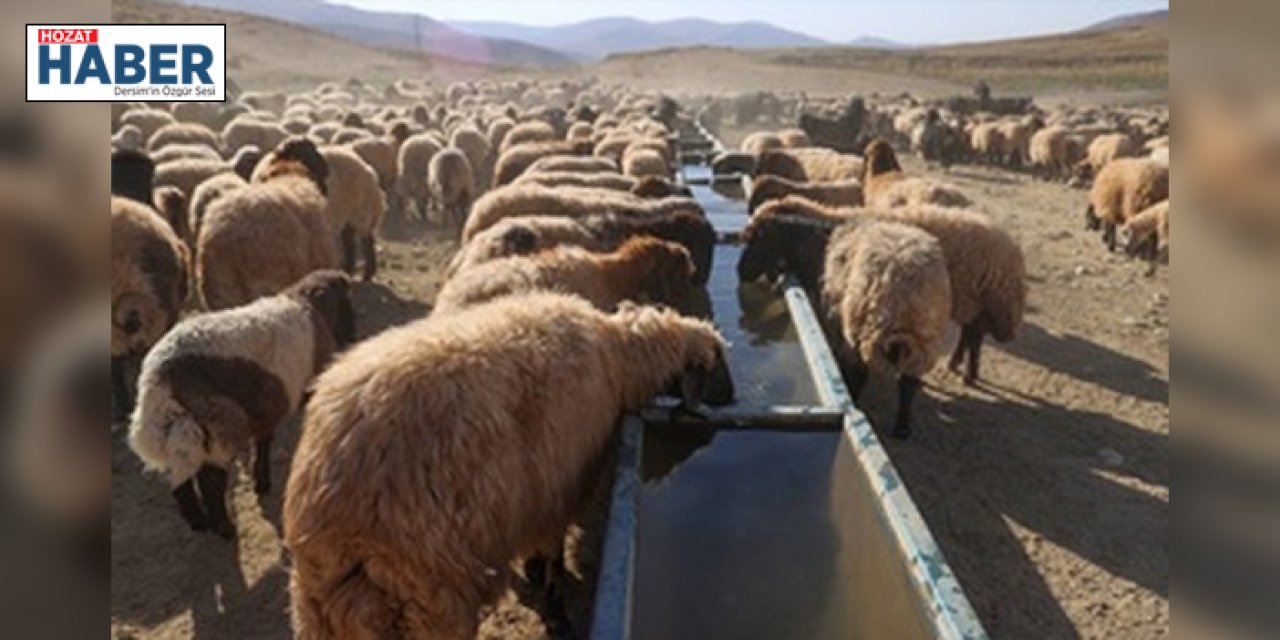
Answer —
(222, 381)
(1123, 188)
(452, 185)
(258, 240)
(642, 269)
(887, 295)
(846, 193)
(422, 563)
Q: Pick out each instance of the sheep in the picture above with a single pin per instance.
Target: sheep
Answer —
(380, 155)
(188, 173)
(885, 185)
(527, 132)
(776, 242)
(654, 187)
(537, 200)
(205, 195)
(184, 151)
(1104, 149)
(812, 165)
(645, 162)
(452, 185)
(762, 141)
(498, 130)
(475, 146)
(184, 133)
(603, 180)
(1123, 188)
(354, 208)
(424, 562)
(988, 142)
(733, 163)
(172, 207)
(413, 169)
(886, 292)
(579, 131)
(574, 164)
(132, 175)
(258, 240)
(1148, 233)
(149, 272)
(129, 138)
(842, 133)
(516, 160)
(147, 121)
(1053, 151)
(222, 381)
(794, 138)
(246, 131)
(641, 269)
(987, 267)
(768, 187)
(1015, 136)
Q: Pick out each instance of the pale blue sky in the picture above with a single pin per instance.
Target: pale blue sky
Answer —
(908, 21)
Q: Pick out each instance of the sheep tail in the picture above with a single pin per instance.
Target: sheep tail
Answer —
(355, 607)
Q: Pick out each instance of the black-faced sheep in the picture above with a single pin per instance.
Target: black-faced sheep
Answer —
(842, 133)
(428, 555)
(1124, 187)
(887, 295)
(641, 269)
(222, 381)
(776, 242)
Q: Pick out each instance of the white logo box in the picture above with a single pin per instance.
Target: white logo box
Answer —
(182, 38)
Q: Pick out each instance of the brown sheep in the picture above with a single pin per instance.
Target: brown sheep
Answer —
(642, 269)
(527, 132)
(428, 557)
(809, 165)
(613, 181)
(1123, 188)
(885, 185)
(452, 185)
(1148, 233)
(887, 295)
(1104, 149)
(573, 164)
(643, 163)
(847, 193)
(515, 160)
(527, 200)
(258, 240)
(183, 133)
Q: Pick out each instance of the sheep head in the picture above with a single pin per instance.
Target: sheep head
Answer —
(328, 293)
(303, 151)
(880, 159)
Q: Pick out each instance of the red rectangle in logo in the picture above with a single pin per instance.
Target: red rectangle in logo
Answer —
(67, 36)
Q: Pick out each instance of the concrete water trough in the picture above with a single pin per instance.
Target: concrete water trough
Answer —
(780, 516)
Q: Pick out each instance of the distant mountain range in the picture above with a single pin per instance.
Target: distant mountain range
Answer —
(595, 39)
(1131, 20)
(507, 43)
(409, 31)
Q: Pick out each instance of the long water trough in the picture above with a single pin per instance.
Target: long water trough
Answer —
(779, 517)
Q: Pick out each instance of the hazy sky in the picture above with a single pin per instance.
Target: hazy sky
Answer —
(909, 21)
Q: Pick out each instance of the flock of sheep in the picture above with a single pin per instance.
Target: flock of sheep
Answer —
(436, 453)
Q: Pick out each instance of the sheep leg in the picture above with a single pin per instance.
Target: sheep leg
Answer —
(370, 257)
(1109, 235)
(1091, 221)
(262, 464)
(547, 573)
(189, 505)
(120, 387)
(957, 356)
(975, 350)
(348, 249)
(213, 489)
(907, 388)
